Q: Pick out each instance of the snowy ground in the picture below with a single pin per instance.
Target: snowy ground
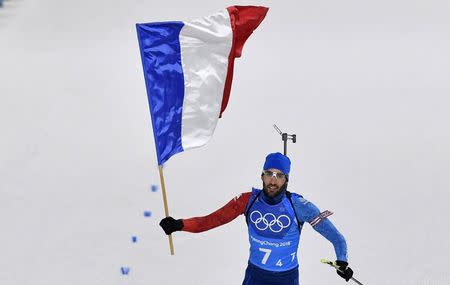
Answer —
(364, 85)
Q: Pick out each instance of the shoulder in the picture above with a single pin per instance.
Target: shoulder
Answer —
(255, 191)
(305, 208)
(294, 195)
(299, 199)
(242, 196)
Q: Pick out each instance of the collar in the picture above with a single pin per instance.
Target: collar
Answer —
(274, 200)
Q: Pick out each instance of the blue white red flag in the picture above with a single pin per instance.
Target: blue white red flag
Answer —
(188, 70)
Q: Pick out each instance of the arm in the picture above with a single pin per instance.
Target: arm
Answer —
(308, 212)
(224, 215)
(329, 231)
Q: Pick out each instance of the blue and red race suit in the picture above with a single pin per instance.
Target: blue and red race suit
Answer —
(274, 230)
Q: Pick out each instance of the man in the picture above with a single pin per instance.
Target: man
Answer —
(275, 218)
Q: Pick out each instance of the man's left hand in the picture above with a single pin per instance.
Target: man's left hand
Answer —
(344, 271)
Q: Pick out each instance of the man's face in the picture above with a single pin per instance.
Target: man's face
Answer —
(273, 179)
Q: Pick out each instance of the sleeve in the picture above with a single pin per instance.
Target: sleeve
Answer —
(224, 215)
(308, 212)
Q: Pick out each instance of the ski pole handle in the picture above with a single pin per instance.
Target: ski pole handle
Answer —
(331, 263)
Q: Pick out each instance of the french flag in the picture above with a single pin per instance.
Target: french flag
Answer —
(188, 70)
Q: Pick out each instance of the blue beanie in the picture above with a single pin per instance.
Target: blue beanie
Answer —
(278, 161)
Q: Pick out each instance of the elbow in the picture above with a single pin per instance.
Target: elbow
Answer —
(341, 241)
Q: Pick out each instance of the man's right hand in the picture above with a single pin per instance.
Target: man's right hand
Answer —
(170, 225)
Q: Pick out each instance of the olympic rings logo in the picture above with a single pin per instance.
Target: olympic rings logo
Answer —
(269, 220)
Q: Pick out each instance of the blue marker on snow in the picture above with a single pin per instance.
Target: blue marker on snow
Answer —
(147, 214)
(154, 188)
(125, 270)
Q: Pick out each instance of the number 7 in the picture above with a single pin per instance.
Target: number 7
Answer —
(266, 255)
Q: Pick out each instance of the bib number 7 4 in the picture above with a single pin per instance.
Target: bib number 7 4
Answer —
(267, 253)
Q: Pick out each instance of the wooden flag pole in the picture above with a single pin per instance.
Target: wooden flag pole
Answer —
(166, 208)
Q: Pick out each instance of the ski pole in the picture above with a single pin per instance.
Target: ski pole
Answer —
(333, 264)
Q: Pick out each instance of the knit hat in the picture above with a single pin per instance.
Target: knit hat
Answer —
(278, 161)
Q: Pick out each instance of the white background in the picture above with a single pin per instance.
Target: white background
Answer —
(364, 85)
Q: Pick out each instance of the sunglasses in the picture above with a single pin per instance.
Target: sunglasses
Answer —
(277, 175)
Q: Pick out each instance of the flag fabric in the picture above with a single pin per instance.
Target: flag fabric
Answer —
(188, 70)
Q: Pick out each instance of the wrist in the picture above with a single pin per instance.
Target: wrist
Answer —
(341, 263)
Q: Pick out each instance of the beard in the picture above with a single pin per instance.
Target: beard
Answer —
(272, 194)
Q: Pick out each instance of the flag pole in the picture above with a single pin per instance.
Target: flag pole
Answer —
(166, 207)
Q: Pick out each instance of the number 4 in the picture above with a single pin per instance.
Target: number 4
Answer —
(279, 263)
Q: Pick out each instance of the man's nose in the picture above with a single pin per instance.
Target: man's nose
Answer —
(273, 177)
